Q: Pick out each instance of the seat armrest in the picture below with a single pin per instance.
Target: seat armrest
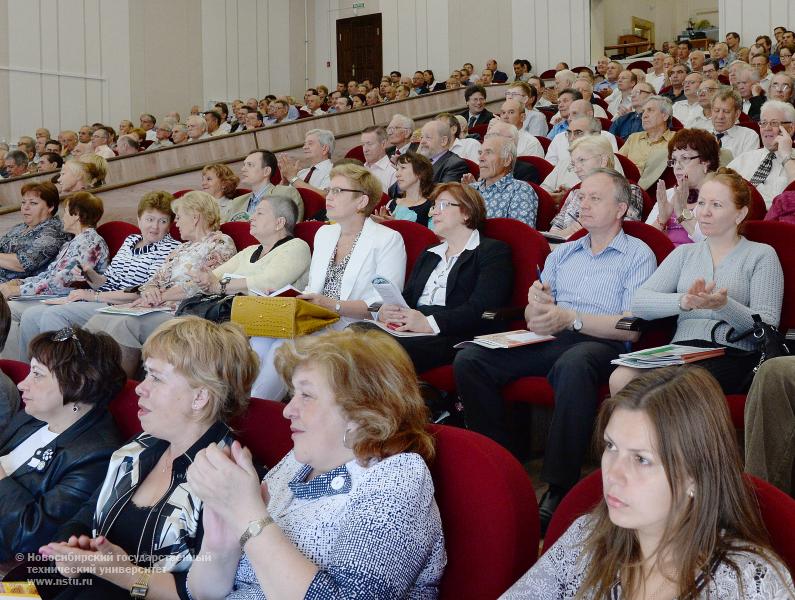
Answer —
(632, 324)
(508, 313)
(790, 335)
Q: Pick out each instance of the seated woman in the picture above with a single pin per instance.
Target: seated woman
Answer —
(693, 154)
(198, 378)
(677, 520)
(714, 287)
(415, 183)
(100, 168)
(346, 258)
(349, 512)
(220, 182)
(278, 260)
(198, 220)
(81, 213)
(77, 176)
(589, 153)
(452, 283)
(138, 258)
(29, 247)
(54, 453)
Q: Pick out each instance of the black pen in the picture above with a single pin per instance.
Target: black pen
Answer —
(575, 218)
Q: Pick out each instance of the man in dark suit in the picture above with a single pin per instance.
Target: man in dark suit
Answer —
(476, 113)
(498, 76)
(434, 145)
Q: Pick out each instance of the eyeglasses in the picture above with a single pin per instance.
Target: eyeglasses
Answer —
(575, 133)
(510, 94)
(578, 162)
(394, 129)
(67, 333)
(774, 124)
(706, 92)
(682, 160)
(335, 191)
(440, 205)
(780, 86)
(637, 93)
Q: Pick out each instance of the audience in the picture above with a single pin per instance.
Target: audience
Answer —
(220, 182)
(414, 181)
(435, 142)
(258, 167)
(632, 120)
(375, 159)
(639, 146)
(476, 113)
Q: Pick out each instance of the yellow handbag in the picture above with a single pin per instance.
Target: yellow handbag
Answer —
(280, 317)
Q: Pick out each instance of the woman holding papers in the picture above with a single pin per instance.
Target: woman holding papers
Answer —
(348, 255)
(452, 283)
(714, 287)
(198, 219)
(138, 258)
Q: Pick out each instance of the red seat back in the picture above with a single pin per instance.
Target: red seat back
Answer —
(547, 207)
(631, 171)
(676, 124)
(240, 192)
(648, 204)
(15, 369)
(124, 408)
(416, 238)
(655, 239)
(479, 130)
(180, 193)
(777, 508)
(306, 230)
(313, 202)
(544, 141)
(264, 431)
(758, 208)
(240, 232)
(489, 514)
(606, 123)
(779, 235)
(548, 74)
(114, 233)
(644, 65)
(544, 167)
(356, 152)
(473, 168)
(174, 231)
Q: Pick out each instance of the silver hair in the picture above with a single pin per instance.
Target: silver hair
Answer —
(594, 126)
(407, 122)
(620, 183)
(324, 138)
(663, 103)
(284, 207)
(785, 107)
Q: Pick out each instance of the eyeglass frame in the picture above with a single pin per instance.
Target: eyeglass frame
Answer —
(439, 206)
(335, 191)
(672, 162)
(770, 123)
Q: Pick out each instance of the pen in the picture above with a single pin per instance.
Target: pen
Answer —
(573, 216)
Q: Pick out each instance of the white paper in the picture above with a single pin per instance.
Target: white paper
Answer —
(389, 292)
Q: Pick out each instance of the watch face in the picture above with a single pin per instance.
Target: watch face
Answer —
(255, 528)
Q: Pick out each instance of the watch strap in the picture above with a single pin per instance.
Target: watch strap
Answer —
(140, 588)
(254, 528)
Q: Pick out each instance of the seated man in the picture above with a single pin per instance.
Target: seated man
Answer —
(655, 135)
(535, 123)
(631, 122)
(99, 142)
(565, 99)
(435, 142)
(689, 108)
(677, 79)
(256, 174)
(619, 102)
(771, 168)
(512, 112)
(476, 112)
(558, 150)
(197, 128)
(504, 196)
(318, 148)
(399, 132)
(706, 92)
(725, 110)
(585, 288)
(745, 82)
(164, 131)
(375, 158)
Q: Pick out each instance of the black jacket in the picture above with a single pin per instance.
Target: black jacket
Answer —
(449, 167)
(36, 500)
(480, 279)
(483, 117)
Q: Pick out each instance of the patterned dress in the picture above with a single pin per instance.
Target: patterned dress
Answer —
(35, 248)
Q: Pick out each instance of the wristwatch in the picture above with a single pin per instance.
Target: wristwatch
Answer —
(687, 215)
(254, 529)
(140, 588)
(337, 307)
(224, 282)
(293, 179)
(576, 325)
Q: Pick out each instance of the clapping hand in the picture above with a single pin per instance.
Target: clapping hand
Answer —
(703, 295)
(467, 178)
(288, 166)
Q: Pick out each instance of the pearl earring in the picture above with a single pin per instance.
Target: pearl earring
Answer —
(691, 493)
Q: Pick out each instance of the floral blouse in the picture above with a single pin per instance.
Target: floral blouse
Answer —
(86, 247)
(212, 251)
(35, 248)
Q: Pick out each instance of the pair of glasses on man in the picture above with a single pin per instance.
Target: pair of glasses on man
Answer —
(773, 124)
(65, 334)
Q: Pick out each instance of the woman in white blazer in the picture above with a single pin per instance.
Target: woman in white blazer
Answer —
(347, 256)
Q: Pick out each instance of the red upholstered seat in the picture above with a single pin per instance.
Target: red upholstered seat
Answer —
(241, 191)
(416, 238)
(180, 193)
(356, 152)
(644, 65)
(777, 508)
(606, 123)
(124, 408)
(489, 514)
(473, 167)
(544, 141)
(547, 207)
(174, 231)
(306, 230)
(313, 202)
(15, 369)
(544, 167)
(479, 130)
(264, 431)
(240, 232)
(548, 74)
(382, 202)
(676, 124)
(758, 208)
(114, 233)
(631, 171)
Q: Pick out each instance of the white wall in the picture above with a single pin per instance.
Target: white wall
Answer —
(751, 19)
(549, 31)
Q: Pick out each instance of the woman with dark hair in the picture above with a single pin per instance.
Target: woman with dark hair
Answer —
(676, 519)
(358, 100)
(692, 153)
(30, 246)
(714, 287)
(415, 184)
(220, 182)
(54, 453)
(452, 283)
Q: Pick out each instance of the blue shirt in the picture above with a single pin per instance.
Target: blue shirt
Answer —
(558, 128)
(509, 198)
(627, 124)
(601, 284)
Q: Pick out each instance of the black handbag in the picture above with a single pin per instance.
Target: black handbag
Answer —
(213, 307)
(770, 342)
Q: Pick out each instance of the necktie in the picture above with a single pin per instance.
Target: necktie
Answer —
(764, 169)
(720, 138)
(309, 175)
(472, 119)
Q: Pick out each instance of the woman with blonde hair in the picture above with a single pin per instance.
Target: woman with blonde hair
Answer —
(77, 175)
(350, 511)
(220, 182)
(100, 170)
(677, 519)
(144, 521)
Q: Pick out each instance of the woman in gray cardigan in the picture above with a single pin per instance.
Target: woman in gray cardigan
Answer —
(713, 287)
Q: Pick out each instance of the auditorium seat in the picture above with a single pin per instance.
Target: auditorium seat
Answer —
(489, 514)
(15, 369)
(180, 193)
(479, 130)
(547, 207)
(240, 232)
(416, 238)
(606, 123)
(114, 233)
(544, 167)
(676, 124)
(777, 508)
(264, 431)
(631, 171)
(644, 65)
(473, 167)
(356, 152)
(313, 202)
(544, 141)
(306, 230)
(124, 408)
(758, 208)
(174, 231)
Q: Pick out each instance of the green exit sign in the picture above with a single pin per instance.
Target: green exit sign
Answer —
(358, 5)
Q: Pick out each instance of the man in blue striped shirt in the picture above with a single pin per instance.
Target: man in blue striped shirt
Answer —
(587, 287)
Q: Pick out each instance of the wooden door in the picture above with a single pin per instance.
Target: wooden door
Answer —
(359, 51)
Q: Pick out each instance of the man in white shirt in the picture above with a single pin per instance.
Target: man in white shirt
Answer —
(726, 108)
(197, 128)
(99, 142)
(318, 148)
(761, 63)
(745, 80)
(656, 75)
(689, 108)
(706, 92)
(559, 148)
(463, 146)
(619, 102)
(375, 158)
(148, 125)
(512, 112)
(585, 87)
(313, 104)
(535, 123)
(771, 168)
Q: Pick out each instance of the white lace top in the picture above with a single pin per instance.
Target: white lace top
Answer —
(558, 574)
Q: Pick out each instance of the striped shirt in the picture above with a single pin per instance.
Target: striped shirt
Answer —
(601, 284)
(135, 266)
